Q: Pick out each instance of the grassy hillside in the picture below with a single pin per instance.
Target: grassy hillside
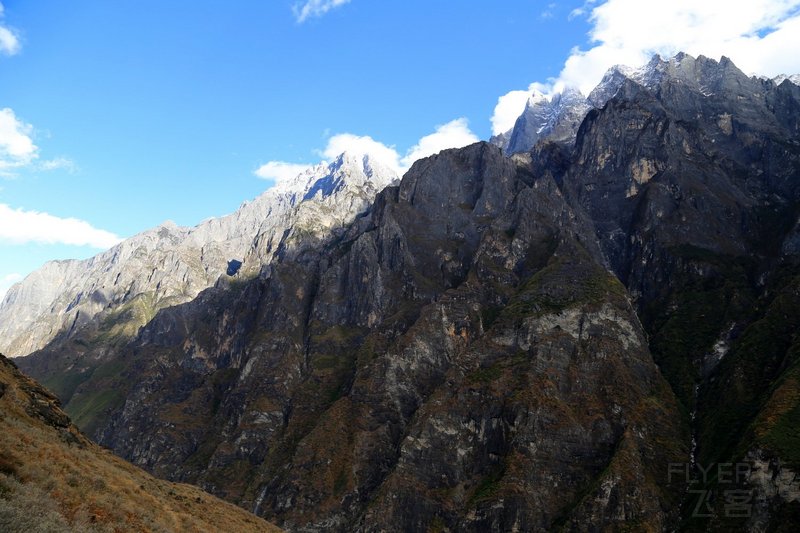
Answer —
(54, 479)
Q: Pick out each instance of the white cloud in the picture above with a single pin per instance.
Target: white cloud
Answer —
(9, 42)
(760, 36)
(280, 171)
(548, 12)
(16, 146)
(7, 281)
(18, 150)
(757, 35)
(362, 145)
(511, 105)
(454, 134)
(315, 8)
(580, 11)
(18, 226)
(59, 163)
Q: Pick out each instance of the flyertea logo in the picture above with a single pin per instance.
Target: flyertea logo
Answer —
(737, 502)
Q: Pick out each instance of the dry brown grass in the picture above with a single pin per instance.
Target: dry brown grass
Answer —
(52, 478)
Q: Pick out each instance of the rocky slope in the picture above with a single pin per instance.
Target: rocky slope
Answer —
(169, 265)
(531, 342)
(469, 307)
(556, 118)
(54, 479)
(691, 177)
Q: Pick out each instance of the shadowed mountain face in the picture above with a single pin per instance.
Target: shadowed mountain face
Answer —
(530, 342)
(459, 345)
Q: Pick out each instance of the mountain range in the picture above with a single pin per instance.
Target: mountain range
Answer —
(170, 265)
(589, 323)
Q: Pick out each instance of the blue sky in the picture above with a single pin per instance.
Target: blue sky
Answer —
(115, 116)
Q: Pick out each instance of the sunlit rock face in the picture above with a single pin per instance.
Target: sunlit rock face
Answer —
(170, 265)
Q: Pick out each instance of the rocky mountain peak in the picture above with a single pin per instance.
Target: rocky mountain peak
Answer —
(359, 169)
(780, 78)
(324, 179)
(556, 117)
(701, 72)
(170, 264)
(569, 95)
(609, 85)
(537, 97)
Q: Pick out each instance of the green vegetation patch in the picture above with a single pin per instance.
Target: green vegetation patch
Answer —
(489, 485)
(87, 407)
(567, 281)
(64, 384)
(748, 374)
(707, 293)
(491, 373)
(124, 322)
(784, 438)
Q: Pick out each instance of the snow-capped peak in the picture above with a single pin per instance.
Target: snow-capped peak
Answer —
(552, 116)
(348, 167)
(780, 78)
(557, 116)
(172, 264)
(537, 97)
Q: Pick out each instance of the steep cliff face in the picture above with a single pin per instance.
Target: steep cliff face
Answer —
(169, 265)
(688, 160)
(501, 343)
(692, 180)
(469, 307)
(555, 117)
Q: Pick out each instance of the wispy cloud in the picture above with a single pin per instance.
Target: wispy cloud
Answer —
(315, 8)
(582, 10)
(9, 42)
(453, 134)
(756, 35)
(16, 146)
(362, 145)
(548, 12)
(280, 171)
(59, 163)
(18, 151)
(18, 226)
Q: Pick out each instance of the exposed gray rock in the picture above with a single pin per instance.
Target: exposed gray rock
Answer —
(554, 118)
(169, 265)
(770, 481)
